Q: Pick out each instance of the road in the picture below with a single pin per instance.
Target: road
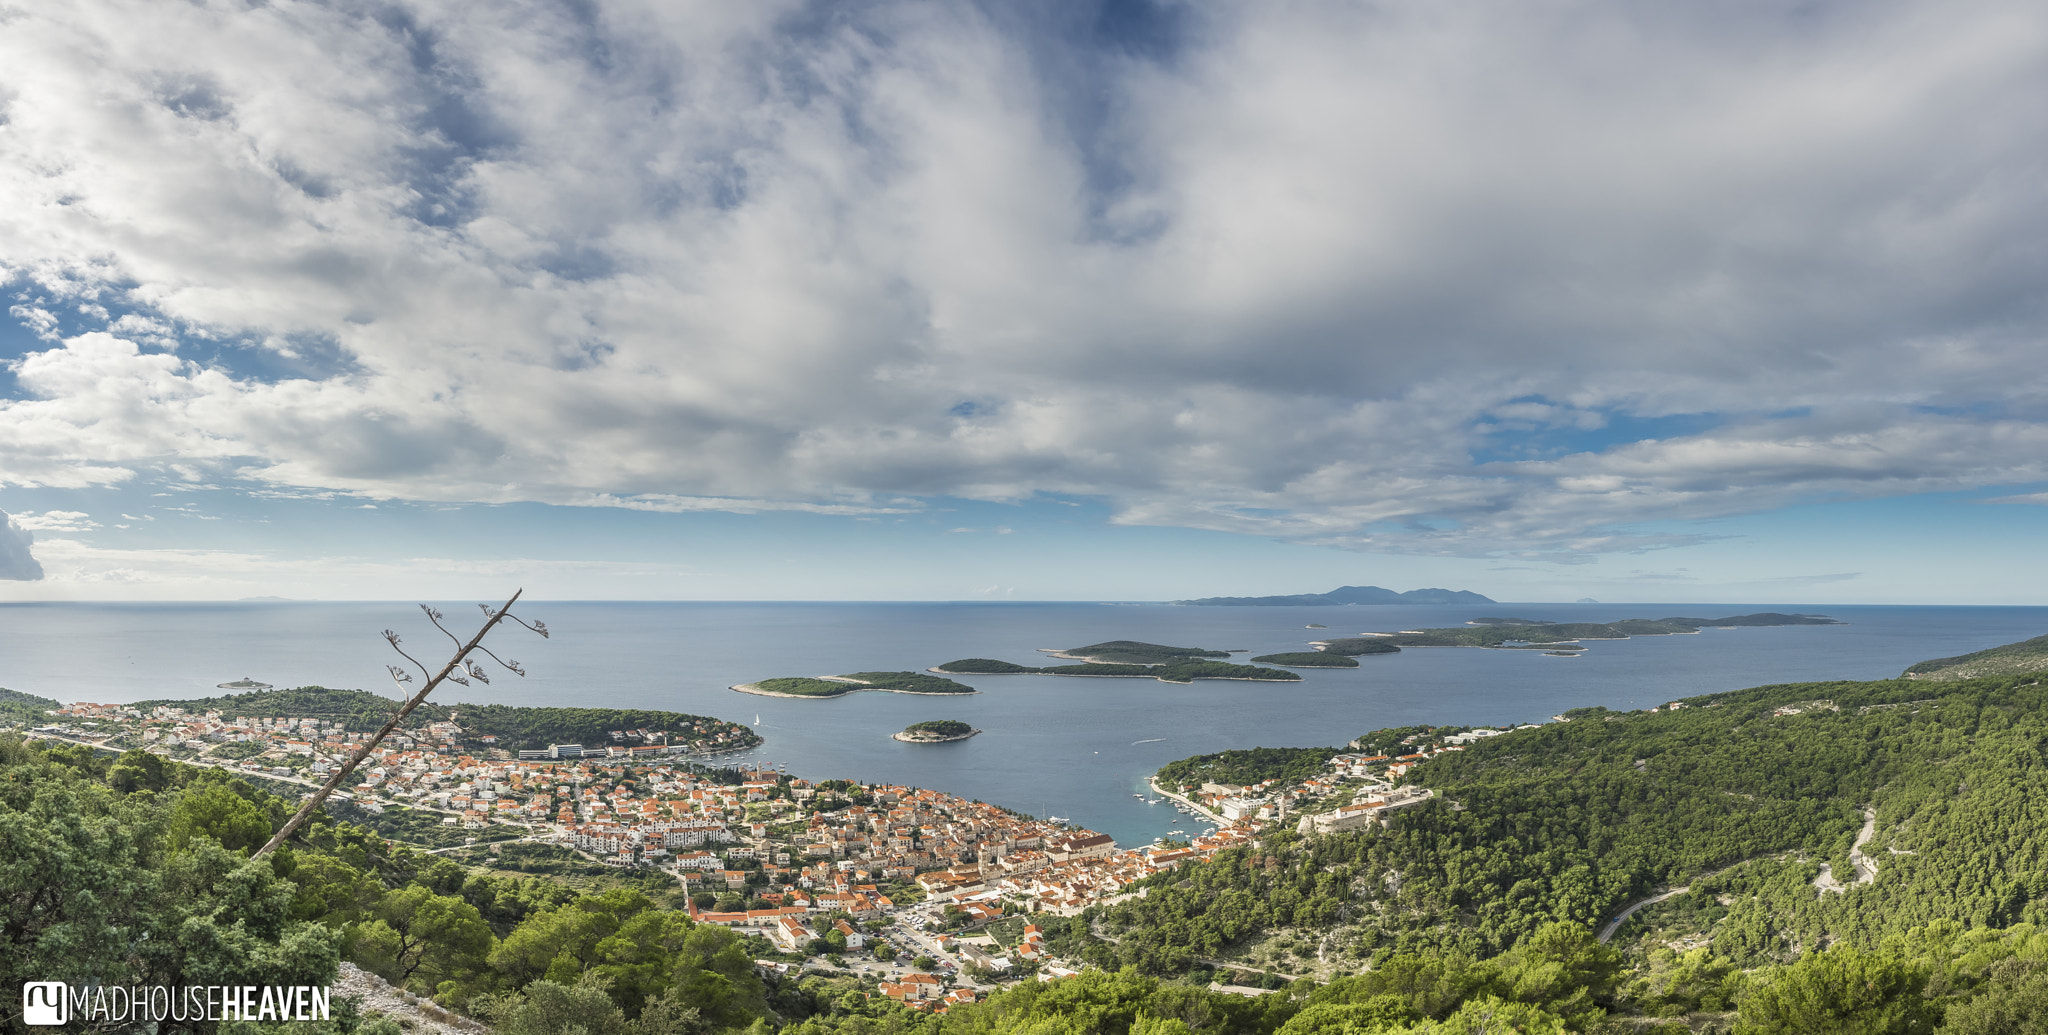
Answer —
(1622, 918)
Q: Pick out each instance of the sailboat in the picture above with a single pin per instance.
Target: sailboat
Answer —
(757, 718)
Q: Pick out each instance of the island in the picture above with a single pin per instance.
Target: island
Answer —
(936, 731)
(2008, 660)
(1556, 639)
(1129, 659)
(1132, 652)
(819, 687)
(1310, 659)
(1348, 595)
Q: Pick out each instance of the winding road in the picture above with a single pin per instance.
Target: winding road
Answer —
(1622, 917)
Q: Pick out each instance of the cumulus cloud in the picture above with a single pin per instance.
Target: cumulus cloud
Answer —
(16, 562)
(1296, 270)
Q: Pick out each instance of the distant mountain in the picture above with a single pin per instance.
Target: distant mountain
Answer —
(1349, 595)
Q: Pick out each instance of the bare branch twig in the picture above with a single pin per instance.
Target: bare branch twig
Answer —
(451, 670)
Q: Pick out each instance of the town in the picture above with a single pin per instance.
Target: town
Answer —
(809, 867)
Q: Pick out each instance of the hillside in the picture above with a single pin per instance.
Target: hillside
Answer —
(1348, 595)
(16, 706)
(2010, 659)
(1746, 798)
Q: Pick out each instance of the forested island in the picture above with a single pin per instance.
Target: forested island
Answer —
(1348, 595)
(840, 686)
(1309, 659)
(1130, 659)
(935, 731)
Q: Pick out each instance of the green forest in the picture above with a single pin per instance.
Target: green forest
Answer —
(940, 727)
(805, 686)
(1245, 766)
(910, 683)
(2024, 656)
(1309, 659)
(16, 706)
(970, 665)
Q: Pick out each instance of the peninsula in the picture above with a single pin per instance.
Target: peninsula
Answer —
(1348, 595)
(840, 686)
(2010, 659)
(1551, 637)
(936, 731)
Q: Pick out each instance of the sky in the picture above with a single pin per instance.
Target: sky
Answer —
(1122, 300)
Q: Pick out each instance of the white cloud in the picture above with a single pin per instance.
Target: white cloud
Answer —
(16, 562)
(55, 521)
(85, 571)
(1287, 281)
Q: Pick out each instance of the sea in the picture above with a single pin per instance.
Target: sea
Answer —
(1076, 748)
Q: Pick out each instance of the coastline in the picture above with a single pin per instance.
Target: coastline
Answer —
(851, 688)
(910, 738)
(1153, 782)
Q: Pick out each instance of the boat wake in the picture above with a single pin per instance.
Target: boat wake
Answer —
(1154, 740)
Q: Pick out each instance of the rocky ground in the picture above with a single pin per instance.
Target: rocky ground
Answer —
(374, 995)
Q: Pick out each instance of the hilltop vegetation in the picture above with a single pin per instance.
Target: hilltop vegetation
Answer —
(2010, 659)
(805, 686)
(1310, 659)
(940, 727)
(909, 683)
(988, 665)
(1189, 671)
(1244, 767)
(16, 706)
(1134, 652)
(900, 682)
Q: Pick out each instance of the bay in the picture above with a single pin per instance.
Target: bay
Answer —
(1076, 748)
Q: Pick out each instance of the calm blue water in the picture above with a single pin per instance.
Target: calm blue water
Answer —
(1076, 748)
